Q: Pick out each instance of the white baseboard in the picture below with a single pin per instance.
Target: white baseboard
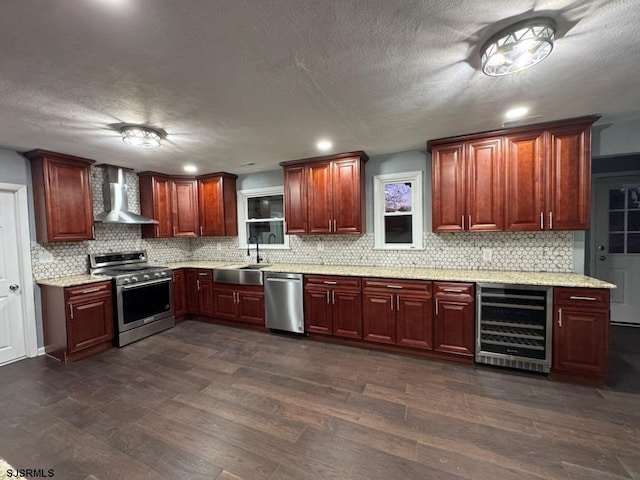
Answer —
(40, 351)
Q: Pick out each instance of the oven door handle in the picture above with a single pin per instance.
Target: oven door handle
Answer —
(139, 285)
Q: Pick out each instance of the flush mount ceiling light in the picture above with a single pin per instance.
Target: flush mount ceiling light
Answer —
(518, 47)
(324, 145)
(140, 136)
(516, 112)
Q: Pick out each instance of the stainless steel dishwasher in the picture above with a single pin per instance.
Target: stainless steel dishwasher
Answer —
(284, 307)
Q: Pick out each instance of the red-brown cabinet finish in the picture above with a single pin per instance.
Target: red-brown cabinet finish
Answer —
(239, 303)
(184, 198)
(155, 202)
(325, 195)
(454, 318)
(179, 295)
(62, 196)
(295, 200)
(217, 205)
(485, 190)
(569, 178)
(192, 293)
(581, 335)
(448, 205)
(204, 285)
(398, 312)
(524, 182)
(333, 305)
(77, 321)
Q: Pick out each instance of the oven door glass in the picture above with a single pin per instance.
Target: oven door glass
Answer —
(140, 302)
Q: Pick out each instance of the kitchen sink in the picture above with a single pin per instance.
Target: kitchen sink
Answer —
(240, 274)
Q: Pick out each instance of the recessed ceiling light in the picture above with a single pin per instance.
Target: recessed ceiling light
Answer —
(190, 168)
(324, 145)
(140, 136)
(517, 112)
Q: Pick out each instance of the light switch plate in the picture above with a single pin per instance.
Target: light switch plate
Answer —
(320, 246)
(487, 255)
(218, 246)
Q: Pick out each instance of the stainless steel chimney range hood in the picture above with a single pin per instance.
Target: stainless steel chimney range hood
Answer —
(116, 202)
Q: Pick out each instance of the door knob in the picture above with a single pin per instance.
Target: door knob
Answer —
(14, 287)
(601, 248)
(602, 257)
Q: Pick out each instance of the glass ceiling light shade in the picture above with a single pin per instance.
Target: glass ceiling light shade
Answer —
(518, 47)
(140, 137)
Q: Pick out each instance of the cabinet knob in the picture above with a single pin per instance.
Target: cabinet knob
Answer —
(14, 287)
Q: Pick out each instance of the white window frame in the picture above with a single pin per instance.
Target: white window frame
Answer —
(243, 195)
(417, 210)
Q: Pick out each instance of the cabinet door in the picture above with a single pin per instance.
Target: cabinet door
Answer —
(378, 317)
(524, 182)
(569, 178)
(320, 198)
(224, 302)
(347, 313)
(581, 341)
(251, 307)
(414, 317)
(89, 322)
(211, 211)
(347, 195)
(191, 283)
(454, 325)
(485, 191)
(317, 310)
(295, 200)
(155, 202)
(179, 295)
(448, 188)
(205, 297)
(185, 208)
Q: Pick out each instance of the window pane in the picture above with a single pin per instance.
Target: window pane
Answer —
(616, 199)
(266, 232)
(397, 197)
(633, 243)
(398, 229)
(616, 243)
(616, 221)
(265, 207)
(634, 198)
(633, 219)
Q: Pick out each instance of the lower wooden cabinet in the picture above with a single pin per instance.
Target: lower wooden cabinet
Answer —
(179, 295)
(77, 321)
(398, 312)
(581, 335)
(454, 320)
(333, 305)
(239, 303)
(198, 283)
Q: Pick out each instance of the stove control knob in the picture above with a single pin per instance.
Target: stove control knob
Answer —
(163, 274)
(134, 279)
(125, 281)
(146, 277)
(157, 275)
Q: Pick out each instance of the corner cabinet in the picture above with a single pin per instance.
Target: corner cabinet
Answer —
(529, 178)
(581, 335)
(325, 195)
(62, 197)
(77, 321)
(189, 206)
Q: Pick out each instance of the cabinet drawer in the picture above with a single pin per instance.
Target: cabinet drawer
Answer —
(93, 289)
(330, 281)
(396, 285)
(205, 274)
(453, 288)
(588, 297)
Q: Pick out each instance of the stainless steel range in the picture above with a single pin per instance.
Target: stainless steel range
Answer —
(143, 301)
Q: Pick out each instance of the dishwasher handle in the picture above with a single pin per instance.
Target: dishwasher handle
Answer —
(281, 279)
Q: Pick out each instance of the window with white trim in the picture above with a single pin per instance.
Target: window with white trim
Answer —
(397, 211)
(261, 215)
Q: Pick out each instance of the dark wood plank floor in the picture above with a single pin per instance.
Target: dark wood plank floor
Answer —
(211, 402)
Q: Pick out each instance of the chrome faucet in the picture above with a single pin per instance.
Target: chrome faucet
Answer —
(258, 257)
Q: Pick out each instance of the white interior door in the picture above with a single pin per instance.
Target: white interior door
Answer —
(13, 345)
(616, 244)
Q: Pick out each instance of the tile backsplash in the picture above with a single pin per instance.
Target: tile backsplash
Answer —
(525, 251)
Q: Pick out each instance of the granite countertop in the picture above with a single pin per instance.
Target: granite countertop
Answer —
(73, 280)
(437, 274)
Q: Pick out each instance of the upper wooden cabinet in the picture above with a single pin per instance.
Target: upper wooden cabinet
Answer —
(62, 196)
(325, 195)
(536, 177)
(189, 206)
(217, 205)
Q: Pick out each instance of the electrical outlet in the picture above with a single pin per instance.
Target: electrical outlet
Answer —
(218, 246)
(45, 257)
(320, 246)
(487, 255)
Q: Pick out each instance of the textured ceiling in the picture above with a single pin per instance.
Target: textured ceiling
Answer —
(260, 81)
